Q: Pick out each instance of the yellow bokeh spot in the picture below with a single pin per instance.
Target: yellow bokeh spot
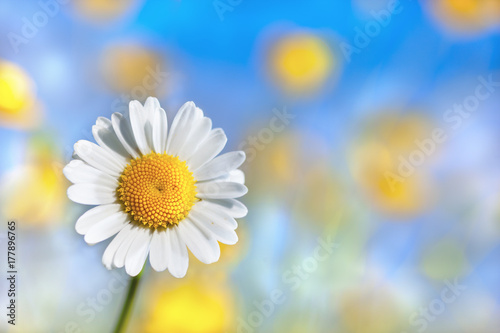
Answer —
(369, 309)
(375, 162)
(275, 168)
(134, 70)
(375, 172)
(469, 15)
(464, 7)
(35, 192)
(15, 88)
(17, 96)
(301, 63)
(102, 10)
(190, 308)
(157, 190)
(321, 195)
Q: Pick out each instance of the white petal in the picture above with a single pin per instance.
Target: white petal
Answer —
(138, 251)
(212, 212)
(158, 253)
(91, 194)
(199, 113)
(200, 242)
(109, 253)
(208, 149)
(181, 128)
(99, 158)
(77, 171)
(104, 122)
(218, 227)
(123, 131)
(121, 252)
(107, 227)
(220, 165)
(237, 176)
(220, 190)
(94, 215)
(232, 207)
(160, 131)
(105, 136)
(141, 126)
(200, 131)
(178, 258)
(151, 105)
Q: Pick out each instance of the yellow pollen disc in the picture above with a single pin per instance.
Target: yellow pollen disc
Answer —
(157, 190)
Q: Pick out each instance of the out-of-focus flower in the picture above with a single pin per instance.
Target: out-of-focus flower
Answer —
(370, 308)
(159, 193)
(18, 105)
(189, 307)
(376, 160)
(35, 192)
(103, 11)
(467, 15)
(301, 62)
(392, 196)
(135, 70)
(321, 195)
(276, 166)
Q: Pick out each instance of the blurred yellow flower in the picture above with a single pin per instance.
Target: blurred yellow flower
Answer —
(398, 131)
(369, 308)
(190, 307)
(301, 63)
(467, 15)
(35, 192)
(321, 195)
(375, 160)
(102, 10)
(276, 166)
(18, 107)
(134, 70)
(372, 161)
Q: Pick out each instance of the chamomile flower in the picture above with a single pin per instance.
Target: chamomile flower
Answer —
(158, 191)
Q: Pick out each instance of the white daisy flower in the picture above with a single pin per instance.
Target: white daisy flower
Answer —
(159, 191)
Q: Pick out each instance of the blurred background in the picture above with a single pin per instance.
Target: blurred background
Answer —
(371, 130)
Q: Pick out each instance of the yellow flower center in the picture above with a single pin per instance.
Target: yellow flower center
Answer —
(301, 62)
(157, 190)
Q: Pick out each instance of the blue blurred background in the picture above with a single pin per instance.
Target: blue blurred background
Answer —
(371, 130)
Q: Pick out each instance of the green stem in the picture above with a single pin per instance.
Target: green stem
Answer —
(127, 306)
